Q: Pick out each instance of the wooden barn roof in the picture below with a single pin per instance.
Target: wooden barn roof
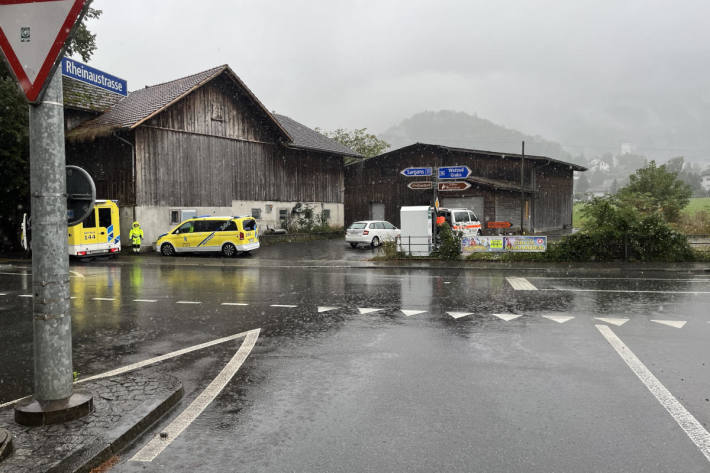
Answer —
(307, 138)
(81, 96)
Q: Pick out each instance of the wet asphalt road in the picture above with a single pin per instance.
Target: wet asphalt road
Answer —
(351, 389)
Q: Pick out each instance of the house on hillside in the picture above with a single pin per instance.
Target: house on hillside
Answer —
(376, 189)
(200, 145)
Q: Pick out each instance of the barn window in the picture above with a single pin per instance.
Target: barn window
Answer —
(256, 213)
(325, 215)
(174, 216)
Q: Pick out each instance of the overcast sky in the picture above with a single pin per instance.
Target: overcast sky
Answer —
(589, 74)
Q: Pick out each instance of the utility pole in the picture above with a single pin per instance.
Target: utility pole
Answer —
(434, 229)
(522, 190)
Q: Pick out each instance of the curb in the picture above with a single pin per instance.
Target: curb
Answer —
(5, 444)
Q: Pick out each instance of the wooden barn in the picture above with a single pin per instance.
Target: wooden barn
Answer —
(376, 189)
(201, 145)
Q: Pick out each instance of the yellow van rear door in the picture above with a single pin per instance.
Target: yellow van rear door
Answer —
(89, 230)
(104, 227)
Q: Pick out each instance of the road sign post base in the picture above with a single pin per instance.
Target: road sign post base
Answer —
(5, 444)
(33, 412)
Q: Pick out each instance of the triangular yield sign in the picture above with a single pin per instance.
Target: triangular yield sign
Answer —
(32, 37)
(458, 315)
(367, 310)
(671, 323)
(507, 317)
(410, 313)
(560, 319)
(325, 308)
(613, 321)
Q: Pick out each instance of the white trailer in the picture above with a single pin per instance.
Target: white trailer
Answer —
(416, 223)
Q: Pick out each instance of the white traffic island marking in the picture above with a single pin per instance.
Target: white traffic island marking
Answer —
(507, 317)
(560, 319)
(367, 310)
(326, 308)
(520, 284)
(410, 313)
(686, 421)
(612, 321)
(188, 302)
(145, 300)
(458, 315)
(185, 418)
(671, 323)
(235, 303)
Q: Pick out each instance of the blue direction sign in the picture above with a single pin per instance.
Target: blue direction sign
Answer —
(416, 172)
(454, 172)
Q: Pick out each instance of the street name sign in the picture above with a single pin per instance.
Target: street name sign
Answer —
(416, 172)
(452, 186)
(95, 77)
(420, 185)
(32, 38)
(454, 172)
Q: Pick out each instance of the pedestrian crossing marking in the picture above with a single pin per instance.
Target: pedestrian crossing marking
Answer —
(560, 319)
(367, 310)
(458, 315)
(326, 308)
(612, 320)
(507, 317)
(520, 284)
(671, 323)
(410, 313)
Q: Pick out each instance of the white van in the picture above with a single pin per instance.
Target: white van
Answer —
(462, 220)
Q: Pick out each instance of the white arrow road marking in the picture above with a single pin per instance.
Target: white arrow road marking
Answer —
(458, 315)
(507, 317)
(182, 421)
(188, 302)
(367, 310)
(521, 284)
(234, 303)
(671, 323)
(686, 421)
(410, 313)
(103, 298)
(613, 321)
(326, 308)
(560, 319)
(145, 300)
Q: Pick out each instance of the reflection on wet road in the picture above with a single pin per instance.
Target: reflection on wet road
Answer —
(394, 369)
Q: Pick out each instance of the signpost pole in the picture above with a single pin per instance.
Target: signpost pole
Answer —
(522, 191)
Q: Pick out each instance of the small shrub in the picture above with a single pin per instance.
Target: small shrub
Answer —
(450, 243)
(389, 249)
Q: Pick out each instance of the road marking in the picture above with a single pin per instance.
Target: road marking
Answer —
(289, 306)
(613, 321)
(671, 323)
(507, 317)
(188, 302)
(458, 315)
(686, 421)
(234, 303)
(24, 295)
(78, 275)
(626, 290)
(367, 310)
(410, 313)
(2, 294)
(560, 319)
(17, 274)
(153, 448)
(72, 297)
(326, 308)
(103, 298)
(620, 279)
(145, 300)
(521, 284)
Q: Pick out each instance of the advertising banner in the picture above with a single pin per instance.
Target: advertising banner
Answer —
(473, 244)
(525, 243)
(481, 244)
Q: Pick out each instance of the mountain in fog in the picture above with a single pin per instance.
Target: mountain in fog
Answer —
(462, 130)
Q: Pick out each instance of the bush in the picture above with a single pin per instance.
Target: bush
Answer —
(697, 223)
(450, 243)
(389, 248)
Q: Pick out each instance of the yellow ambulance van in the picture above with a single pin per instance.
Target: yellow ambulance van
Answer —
(99, 234)
(227, 235)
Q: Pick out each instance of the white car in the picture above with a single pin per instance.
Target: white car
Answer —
(371, 232)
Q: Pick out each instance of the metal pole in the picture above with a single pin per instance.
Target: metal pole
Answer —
(50, 258)
(522, 191)
(434, 227)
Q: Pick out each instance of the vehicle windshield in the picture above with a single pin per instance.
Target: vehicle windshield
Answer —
(358, 226)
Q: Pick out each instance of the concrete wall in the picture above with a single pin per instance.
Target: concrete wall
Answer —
(155, 220)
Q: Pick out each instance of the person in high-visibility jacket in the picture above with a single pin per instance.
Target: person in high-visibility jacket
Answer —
(136, 236)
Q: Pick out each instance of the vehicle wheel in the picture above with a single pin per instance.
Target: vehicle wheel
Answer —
(353, 245)
(167, 249)
(375, 242)
(229, 250)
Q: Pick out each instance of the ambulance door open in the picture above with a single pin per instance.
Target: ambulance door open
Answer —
(105, 225)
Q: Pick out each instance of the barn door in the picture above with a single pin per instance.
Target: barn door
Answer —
(377, 211)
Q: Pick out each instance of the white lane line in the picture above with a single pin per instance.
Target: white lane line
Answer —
(188, 302)
(507, 317)
(16, 274)
(145, 300)
(367, 310)
(103, 298)
(686, 421)
(288, 306)
(153, 448)
(72, 297)
(234, 303)
(625, 291)
(619, 279)
(326, 308)
(671, 323)
(613, 321)
(521, 284)
(2, 294)
(560, 319)
(24, 295)
(410, 313)
(458, 315)
(78, 275)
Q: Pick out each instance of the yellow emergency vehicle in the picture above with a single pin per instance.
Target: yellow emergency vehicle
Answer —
(227, 235)
(99, 234)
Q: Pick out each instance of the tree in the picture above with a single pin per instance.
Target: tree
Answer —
(358, 140)
(656, 189)
(14, 139)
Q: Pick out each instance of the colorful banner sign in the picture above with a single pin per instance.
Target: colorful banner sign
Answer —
(478, 244)
(525, 243)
